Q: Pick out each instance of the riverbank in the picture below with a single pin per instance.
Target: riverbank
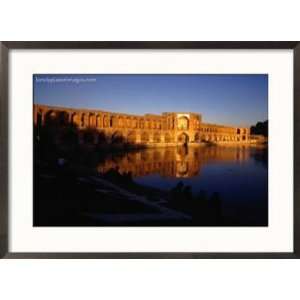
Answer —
(78, 196)
(92, 187)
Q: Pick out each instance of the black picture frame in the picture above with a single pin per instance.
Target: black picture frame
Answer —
(6, 47)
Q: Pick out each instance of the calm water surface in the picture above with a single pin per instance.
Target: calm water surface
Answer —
(239, 174)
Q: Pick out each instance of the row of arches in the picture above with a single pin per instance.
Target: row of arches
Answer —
(136, 127)
(130, 137)
(106, 120)
(219, 138)
(103, 120)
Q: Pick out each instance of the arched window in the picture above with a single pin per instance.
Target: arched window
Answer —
(145, 137)
(183, 123)
(156, 137)
(75, 119)
(131, 138)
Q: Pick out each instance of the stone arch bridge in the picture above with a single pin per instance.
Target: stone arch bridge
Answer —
(166, 129)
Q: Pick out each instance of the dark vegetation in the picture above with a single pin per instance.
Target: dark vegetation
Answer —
(260, 128)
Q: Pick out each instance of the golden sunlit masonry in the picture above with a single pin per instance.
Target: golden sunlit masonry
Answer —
(169, 128)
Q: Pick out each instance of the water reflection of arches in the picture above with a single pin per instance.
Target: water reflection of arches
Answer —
(173, 162)
(183, 123)
(183, 138)
(182, 169)
(182, 151)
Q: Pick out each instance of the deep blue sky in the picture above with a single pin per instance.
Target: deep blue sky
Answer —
(225, 99)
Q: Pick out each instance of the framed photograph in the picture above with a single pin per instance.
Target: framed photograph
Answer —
(150, 149)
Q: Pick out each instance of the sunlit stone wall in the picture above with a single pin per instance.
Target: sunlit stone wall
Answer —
(149, 129)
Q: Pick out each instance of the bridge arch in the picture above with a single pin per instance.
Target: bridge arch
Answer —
(75, 119)
(183, 138)
(156, 137)
(145, 137)
(99, 121)
(92, 120)
(168, 138)
(197, 137)
(131, 137)
(117, 137)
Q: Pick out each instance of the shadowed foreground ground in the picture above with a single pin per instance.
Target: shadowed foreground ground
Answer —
(66, 196)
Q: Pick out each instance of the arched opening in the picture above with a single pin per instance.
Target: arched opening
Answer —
(101, 138)
(75, 119)
(120, 122)
(197, 137)
(98, 122)
(156, 137)
(50, 117)
(92, 120)
(114, 122)
(168, 138)
(39, 120)
(238, 131)
(83, 120)
(147, 124)
(131, 138)
(128, 123)
(89, 136)
(183, 123)
(134, 123)
(183, 138)
(142, 124)
(117, 138)
(144, 137)
(105, 121)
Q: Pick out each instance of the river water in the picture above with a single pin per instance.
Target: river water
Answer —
(239, 174)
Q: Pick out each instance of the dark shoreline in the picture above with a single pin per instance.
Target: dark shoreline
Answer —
(77, 195)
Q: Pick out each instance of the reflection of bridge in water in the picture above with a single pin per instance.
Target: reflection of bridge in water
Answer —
(174, 161)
